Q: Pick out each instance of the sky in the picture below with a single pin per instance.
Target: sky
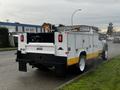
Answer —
(94, 12)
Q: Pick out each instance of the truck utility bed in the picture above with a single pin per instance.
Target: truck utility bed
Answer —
(60, 49)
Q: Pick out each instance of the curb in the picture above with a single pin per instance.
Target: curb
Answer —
(7, 49)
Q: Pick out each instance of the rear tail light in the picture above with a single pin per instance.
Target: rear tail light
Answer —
(60, 38)
(22, 38)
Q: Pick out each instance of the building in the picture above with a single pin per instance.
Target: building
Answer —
(18, 27)
(15, 28)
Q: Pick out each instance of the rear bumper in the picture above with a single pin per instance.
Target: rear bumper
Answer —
(43, 59)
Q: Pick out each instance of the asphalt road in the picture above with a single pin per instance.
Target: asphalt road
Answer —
(12, 79)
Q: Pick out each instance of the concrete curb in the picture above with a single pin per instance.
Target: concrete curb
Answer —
(7, 49)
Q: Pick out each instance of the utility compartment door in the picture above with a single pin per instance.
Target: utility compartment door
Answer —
(82, 43)
(71, 46)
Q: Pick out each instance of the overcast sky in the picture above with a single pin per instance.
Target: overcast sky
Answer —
(94, 12)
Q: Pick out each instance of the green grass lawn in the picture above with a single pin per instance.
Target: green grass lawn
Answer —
(8, 49)
(105, 77)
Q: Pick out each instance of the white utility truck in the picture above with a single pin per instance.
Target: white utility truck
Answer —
(67, 46)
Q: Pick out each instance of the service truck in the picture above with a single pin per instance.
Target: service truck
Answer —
(64, 47)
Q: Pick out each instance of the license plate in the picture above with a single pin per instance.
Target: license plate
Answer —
(39, 48)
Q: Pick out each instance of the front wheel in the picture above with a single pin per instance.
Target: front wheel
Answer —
(105, 55)
(82, 64)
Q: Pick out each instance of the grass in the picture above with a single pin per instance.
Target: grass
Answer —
(7, 49)
(104, 77)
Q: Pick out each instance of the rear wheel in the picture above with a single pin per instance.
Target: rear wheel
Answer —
(105, 52)
(82, 64)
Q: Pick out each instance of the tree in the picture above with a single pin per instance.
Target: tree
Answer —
(4, 37)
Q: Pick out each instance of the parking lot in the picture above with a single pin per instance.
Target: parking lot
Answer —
(12, 79)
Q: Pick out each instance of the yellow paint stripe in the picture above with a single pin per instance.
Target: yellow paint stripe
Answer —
(72, 61)
(75, 60)
(92, 55)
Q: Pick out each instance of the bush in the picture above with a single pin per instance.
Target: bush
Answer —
(4, 37)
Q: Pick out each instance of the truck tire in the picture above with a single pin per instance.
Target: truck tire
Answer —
(82, 64)
(105, 52)
(105, 55)
(60, 71)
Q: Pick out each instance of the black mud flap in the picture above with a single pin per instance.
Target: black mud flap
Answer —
(22, 67)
